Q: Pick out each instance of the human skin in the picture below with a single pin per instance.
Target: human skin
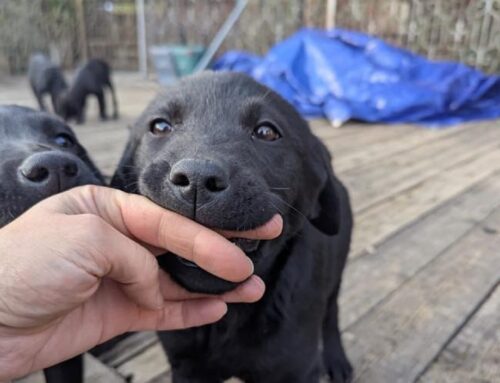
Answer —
(79, 268)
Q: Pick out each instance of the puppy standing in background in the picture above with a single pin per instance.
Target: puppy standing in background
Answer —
(230, 153)
(45, 78)
(93, 78)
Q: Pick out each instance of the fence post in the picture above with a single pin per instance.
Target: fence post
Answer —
(331, 14)
(82, 30)
(141, 38)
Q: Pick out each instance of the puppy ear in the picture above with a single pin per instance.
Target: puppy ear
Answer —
(326, 215)
(125, 177)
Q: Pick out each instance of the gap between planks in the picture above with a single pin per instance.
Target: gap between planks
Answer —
(402, 335)
(474, 354)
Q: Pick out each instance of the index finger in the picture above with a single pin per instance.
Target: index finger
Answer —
(138, 217)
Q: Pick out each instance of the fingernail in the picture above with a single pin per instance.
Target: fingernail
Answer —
(276, 225)
(258, 281)
(255, 289)
(252, 267)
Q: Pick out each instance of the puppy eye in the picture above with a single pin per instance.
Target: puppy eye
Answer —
(266, 132)
(64, 140)
(160, 127)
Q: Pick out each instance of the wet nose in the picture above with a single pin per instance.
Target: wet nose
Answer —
(49, 172)
(198, 181)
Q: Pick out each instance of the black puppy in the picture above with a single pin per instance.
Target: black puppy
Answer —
(230, 153)
(45, 78)
(40, 157)
(92, 78)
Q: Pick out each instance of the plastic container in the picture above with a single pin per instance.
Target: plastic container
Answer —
(174, 61)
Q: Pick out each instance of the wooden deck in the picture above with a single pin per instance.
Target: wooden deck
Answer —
(420, 300)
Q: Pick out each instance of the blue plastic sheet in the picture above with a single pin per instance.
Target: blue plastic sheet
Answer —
(342, 75)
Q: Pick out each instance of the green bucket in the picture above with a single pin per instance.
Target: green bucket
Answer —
(173, 61)
(185, 58)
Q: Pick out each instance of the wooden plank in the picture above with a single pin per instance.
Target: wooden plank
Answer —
(402, 335)
(97, 372)
(128, 348)
(474, 354)
(363, 136)
(94, 371)
(382, 179)
(82, 30)
(370, 279)
(365, 155)
(148, 365)
(379, 222)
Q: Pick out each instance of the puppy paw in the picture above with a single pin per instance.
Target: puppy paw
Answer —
(340, 370)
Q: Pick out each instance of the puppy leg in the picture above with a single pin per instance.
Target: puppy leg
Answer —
(303, 371)
(177, 378)
(113, 97)
(192, 371)
(102, 105)
(39, 98)
(53, 99)
(80, 117)
(335, 360)
(70, 370)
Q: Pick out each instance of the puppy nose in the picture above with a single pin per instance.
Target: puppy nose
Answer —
(49, 172)
(198, 179)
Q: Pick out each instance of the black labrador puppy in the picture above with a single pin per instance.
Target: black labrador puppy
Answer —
(93, 78)
(45, 78)
(40, 157)
(230, 153)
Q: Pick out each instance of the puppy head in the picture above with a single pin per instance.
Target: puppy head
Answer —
(229, 153)
(40, 157)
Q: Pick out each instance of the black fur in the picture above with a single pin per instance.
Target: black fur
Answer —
(45, 78)
(213, 165)
(93, 78)
(31, 141)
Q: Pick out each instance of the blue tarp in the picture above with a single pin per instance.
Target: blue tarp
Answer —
(342, 75)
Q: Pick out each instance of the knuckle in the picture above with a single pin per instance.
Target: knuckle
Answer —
(89, 191)
(91, 226)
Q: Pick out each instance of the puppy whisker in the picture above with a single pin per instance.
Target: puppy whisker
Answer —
(295, 210)
(132, 184)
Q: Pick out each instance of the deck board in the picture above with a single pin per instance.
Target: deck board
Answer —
(370, 279)
(397, 340)
(379, 180)
(375, 225)
(419, 299)
(474, 354)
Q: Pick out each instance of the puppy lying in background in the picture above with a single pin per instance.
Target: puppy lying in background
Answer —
(45, 78)
(93, 78)
(40, 157)
(229, 153)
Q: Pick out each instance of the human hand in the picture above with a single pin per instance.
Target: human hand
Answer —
(78, 269)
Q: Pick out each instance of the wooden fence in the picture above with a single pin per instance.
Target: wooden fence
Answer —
(463, 30)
